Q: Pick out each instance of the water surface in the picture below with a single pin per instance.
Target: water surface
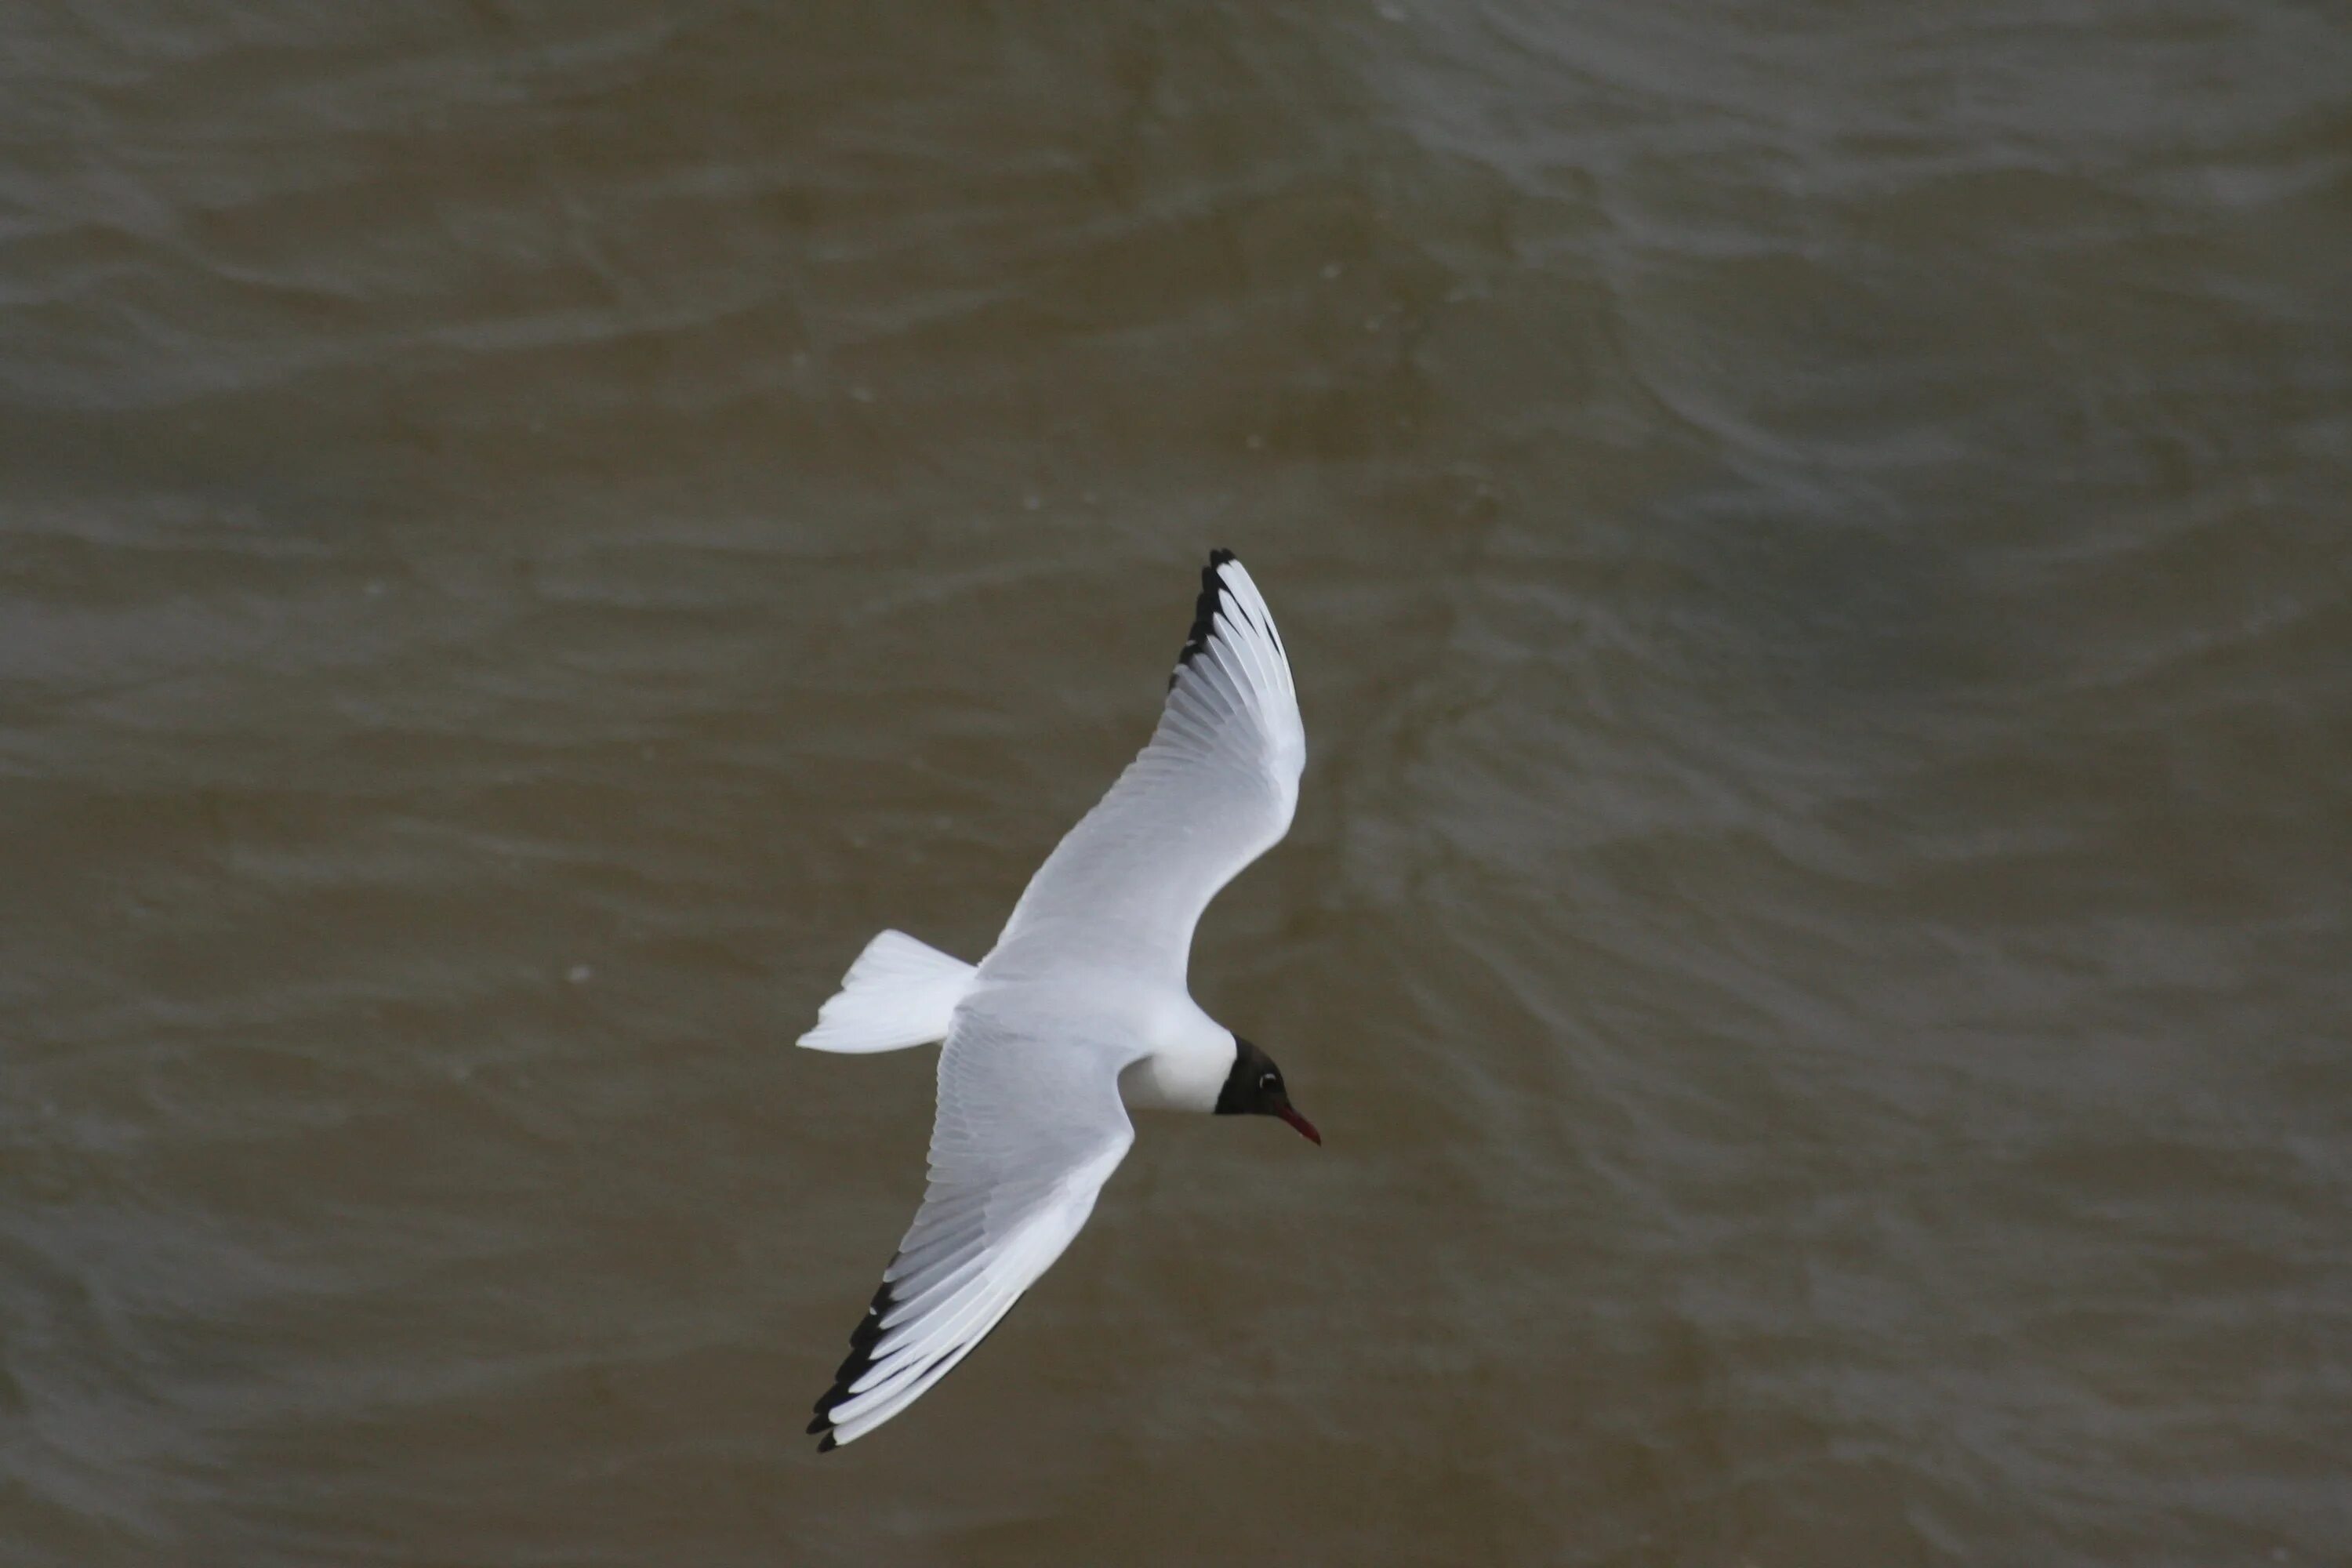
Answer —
(1813, 540)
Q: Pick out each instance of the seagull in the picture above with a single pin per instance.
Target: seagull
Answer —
(1079, 1013)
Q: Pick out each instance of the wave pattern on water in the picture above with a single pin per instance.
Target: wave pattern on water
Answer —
(1812, 541)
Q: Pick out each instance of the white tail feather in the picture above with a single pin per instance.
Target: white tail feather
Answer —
(899, 992)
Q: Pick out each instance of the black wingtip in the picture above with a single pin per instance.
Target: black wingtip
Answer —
(861, 1341)
(1204, 612)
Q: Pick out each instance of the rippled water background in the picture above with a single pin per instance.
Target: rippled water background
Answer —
(1815, 543)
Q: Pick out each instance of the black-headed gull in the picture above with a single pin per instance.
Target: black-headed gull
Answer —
(1079, 1012)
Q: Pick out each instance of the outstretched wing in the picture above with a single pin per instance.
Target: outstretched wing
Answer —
(1028, 1130)
(1212, 791)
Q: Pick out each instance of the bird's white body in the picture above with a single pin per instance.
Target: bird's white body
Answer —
(1079, 1011)
(1189, 1057)
(902, 993)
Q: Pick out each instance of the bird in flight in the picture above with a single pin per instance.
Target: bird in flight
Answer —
(1078, 1013)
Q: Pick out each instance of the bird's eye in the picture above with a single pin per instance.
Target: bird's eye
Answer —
(1270, 1080)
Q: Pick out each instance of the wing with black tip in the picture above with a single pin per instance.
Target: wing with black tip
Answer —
(1030, 1126)
(1212, 791)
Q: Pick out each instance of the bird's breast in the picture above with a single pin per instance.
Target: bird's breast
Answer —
(1183, 1075)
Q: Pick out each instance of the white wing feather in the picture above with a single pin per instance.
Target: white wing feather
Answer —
(1030, 1126)
(1212, 791)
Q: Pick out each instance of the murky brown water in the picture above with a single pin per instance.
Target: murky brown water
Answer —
(1816, 543)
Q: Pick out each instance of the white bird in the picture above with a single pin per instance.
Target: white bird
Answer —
(1079, 1012)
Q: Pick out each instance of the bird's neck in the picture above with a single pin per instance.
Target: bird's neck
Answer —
(1190, 1057)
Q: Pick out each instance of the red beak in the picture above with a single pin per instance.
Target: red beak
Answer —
(1305, 1128)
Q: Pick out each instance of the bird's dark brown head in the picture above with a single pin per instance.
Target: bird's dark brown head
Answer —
(1254, 1087)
